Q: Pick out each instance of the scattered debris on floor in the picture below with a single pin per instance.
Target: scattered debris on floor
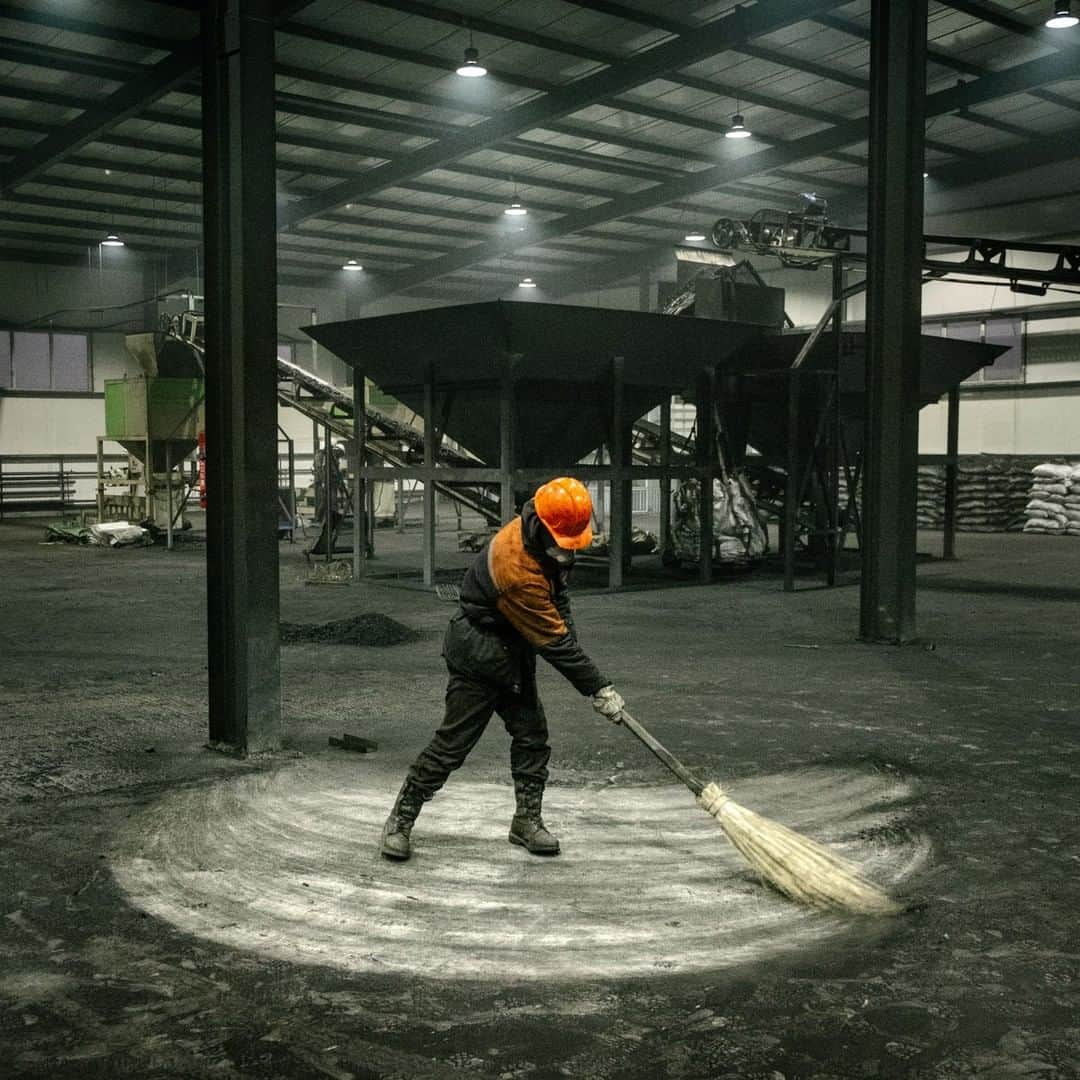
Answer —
(335, 572)
(451, 594)
(354, 742)
(641, 543)
(474, 541)
(369, 629)
(107, 534)
(120, 534)
(67, 532)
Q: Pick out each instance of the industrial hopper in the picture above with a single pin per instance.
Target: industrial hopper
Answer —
(757, 406)
(558, 358)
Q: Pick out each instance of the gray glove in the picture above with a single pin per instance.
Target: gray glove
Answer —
(608, 702)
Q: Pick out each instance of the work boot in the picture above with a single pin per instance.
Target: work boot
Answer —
(395, 843)
(527, 829)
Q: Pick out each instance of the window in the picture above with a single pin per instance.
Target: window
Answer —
(70, 362)
(30, 361)
(1009, 366)
(37, 360)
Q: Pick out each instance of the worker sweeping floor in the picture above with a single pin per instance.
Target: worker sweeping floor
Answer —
(169, 912)
(645, 883)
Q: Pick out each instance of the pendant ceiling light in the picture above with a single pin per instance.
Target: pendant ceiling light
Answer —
(527, 283)
(694, 236)
(738, 129)
(516, 208)
(471, 68)
(352, 264)
(1063, 17)
(112, 240)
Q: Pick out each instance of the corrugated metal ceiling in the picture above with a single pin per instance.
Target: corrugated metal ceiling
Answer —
(367, 86)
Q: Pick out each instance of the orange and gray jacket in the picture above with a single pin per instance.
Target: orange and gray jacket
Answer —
(516, 597)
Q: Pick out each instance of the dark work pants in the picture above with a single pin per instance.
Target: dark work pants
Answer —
(470, 704)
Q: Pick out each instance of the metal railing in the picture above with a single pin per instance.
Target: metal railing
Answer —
(37, 483)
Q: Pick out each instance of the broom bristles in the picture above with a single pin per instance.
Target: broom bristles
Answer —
(799, 867)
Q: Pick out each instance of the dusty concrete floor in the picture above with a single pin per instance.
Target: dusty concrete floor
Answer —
(168, 912)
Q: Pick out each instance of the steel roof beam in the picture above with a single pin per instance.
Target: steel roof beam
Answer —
(1002, 20)
(91, 29)
(105, 210)
(1061, 146)
(853, 29)
(645, 147)
(363, 237)
(630, 14)
(483, 197)
(993, 124)
(40, 96)
(580, 159)
(578, 130)
(376, 89)
(401, 54)
(96, 120)
(725, 33)
(503, 30)
(750, 96)
(1013, 80)
(53, 59)
(119, 190)
(809, 67)
(152, 82)
(528, 180)
(177, 239)
(340, 113)
(940, 57)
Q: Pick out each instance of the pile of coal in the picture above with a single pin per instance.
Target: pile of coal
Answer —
(369, 629)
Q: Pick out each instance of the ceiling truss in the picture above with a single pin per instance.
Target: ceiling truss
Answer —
(388, 160)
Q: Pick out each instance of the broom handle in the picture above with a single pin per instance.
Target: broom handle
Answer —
(665, 755)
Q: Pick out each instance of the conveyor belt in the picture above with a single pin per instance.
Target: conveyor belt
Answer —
(391, 441)
(398, 444)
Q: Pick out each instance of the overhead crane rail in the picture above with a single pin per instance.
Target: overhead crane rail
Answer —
(806, 238)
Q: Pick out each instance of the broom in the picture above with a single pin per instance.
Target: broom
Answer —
(799, 867)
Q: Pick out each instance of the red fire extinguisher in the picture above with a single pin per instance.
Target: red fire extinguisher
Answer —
(202, 470)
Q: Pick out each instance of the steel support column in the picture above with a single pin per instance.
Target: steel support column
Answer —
(665, 477)
(793, 483)
(952, 472)
(507, 439)
(241, 400)
(895, 249)
(360, 535)
(430, 506)
(832, 466)
(706, 460)
(619, 445)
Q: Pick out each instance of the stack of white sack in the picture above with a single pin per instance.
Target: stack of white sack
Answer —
(1072, 503)
(1048, 506)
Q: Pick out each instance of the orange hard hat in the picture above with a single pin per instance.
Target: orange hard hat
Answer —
(564, 506)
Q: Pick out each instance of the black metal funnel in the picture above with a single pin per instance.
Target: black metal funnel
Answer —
(945, 363)
(561, 357)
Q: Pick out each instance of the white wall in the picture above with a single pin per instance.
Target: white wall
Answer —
(29, 291)
(55, 423)
(996, 421)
